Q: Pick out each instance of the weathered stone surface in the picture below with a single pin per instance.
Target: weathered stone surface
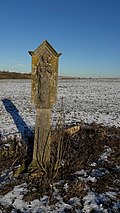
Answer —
(43, 96)
(42, 135)
(44, 75)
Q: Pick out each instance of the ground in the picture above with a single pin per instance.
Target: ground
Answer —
(88, 177)
(87, 181)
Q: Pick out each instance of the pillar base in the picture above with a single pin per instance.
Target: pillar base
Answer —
(41, 151)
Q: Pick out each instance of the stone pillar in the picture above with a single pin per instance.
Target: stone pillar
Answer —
(41, 152)
(43, 95)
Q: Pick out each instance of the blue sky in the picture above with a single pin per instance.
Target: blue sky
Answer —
(87, 32)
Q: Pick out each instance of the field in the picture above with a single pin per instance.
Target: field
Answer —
(91, 186)
(90, 100)
(14, 75)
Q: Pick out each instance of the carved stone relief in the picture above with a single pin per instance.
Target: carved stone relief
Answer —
(44, 76)
(44, 73)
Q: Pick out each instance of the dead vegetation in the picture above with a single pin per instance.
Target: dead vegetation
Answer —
(14, 75)
(78, 152)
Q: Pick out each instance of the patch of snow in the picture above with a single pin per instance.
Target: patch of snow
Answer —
(74, 201)
(92, 179)
(44, 199)
(19, 204)
(84, 176)
(93, 164)
(15, 196)
(107, 152)
(99, 172)
(66, 186)
(111, 194)
(6, 176)
(81, 173)
(90, 202)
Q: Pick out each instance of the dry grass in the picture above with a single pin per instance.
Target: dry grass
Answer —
(78, 152)
(14, 75)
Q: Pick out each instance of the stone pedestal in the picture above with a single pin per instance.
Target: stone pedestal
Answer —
(43, 95)
(41, 152)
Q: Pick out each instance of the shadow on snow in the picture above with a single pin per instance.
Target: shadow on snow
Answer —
(26, 132)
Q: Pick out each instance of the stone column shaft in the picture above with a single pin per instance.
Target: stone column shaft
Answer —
(41, 153)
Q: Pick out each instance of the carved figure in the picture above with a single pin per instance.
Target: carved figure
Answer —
(43, 71)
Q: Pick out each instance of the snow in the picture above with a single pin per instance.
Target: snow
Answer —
(93, 201)
(87, 100)
(74, 201)
(91, 100)
(104, 156)
(99, 172)
(15, 196)
(90, 202)
(16, 110)
(84, 176)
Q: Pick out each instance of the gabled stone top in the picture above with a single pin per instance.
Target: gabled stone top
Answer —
(44, 45)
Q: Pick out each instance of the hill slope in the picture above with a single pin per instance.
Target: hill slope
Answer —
(14, 75)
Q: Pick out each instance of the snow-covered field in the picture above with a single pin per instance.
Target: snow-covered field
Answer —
(87, 100)
(84, 99)
(91, 100)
